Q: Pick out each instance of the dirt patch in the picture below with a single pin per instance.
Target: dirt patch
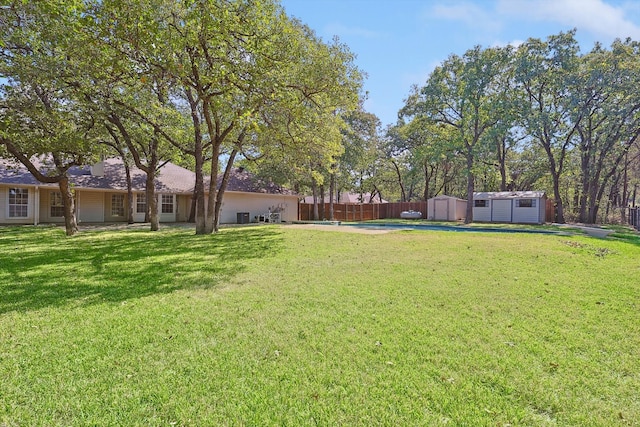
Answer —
(589, 230)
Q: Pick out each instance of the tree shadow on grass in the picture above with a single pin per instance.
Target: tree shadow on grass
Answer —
(41, 268)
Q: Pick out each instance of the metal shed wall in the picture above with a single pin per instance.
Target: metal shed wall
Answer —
(504, 207)
(501, 210)
(446, 208)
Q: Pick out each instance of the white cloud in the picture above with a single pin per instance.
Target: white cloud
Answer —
(469, 13)
(593, 16)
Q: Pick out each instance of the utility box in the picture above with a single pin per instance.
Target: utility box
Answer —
(243, 217)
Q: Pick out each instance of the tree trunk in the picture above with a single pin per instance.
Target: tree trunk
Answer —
(198, 204)
(470, 189)
(70, 223)
(558, 199)
(502, 154)
(428, 174)
(314, 190)
(192, 207)
(152, 201)
(201, 202)
(585, 189)
(213, 191)
(127, 172)
(117, 145)
(555, 175)
(624, 203)
(400, 183)
(332, 189)
(61, 178)
(223, 186)
(321, 207)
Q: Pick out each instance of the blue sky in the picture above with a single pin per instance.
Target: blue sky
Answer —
(399, 42)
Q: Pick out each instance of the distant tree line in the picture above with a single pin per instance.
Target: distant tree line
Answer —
(538, 116)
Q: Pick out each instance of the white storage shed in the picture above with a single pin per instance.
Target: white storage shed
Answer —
(524, 207)
(446, 208)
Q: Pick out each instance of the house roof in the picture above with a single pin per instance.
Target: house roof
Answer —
(106, 175)
(110, 175)
(242, 180)
(508, 195)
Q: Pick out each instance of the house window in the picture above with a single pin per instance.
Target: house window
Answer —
(56, 205)
(141, 203)
(167, 204)
(481, 203)
(18, 202)
(525, 203)
(117, 205)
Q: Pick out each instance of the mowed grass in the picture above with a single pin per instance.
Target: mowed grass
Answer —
(277, 325)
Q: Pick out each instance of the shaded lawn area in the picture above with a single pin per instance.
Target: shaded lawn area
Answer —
(41, 269)
(279, 326)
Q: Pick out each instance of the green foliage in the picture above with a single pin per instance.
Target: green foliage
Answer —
(356, 167)
(540, 116)
(42, 109)
(45, 115)
(211, 79)
(277, 325)
(465, 98)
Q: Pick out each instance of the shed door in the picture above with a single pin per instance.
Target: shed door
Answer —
(441, 210)
(501, 211)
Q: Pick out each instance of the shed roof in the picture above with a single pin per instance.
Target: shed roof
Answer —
(508, 195)
(444, 196)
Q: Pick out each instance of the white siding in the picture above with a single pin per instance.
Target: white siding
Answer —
(441, 209)
(4, 207)
(45, 206)
(461, 210)
(90, 207)
(528, 215)
(181, 208)
(167, 217)
(505, 207)
(4, 195)
(446, 208)
(501, 210)
(257, 204)
(482, 214)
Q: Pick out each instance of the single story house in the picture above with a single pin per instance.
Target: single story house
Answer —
(510, 207)
(101, 195)
(446, 208)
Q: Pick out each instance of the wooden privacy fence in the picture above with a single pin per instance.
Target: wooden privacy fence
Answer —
(360, 212)
(634, 217)
(550, 211)
(393, 210)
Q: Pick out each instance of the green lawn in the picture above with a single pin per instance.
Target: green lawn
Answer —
(275, 325)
